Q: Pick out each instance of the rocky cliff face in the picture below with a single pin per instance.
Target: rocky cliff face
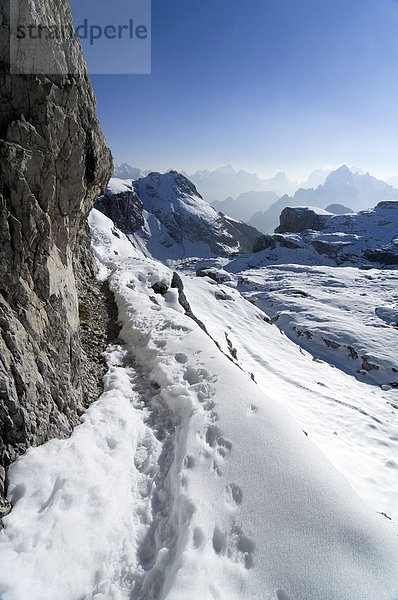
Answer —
(53, 164)
(125, 209)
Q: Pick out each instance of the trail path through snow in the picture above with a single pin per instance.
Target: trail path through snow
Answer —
(185, 480)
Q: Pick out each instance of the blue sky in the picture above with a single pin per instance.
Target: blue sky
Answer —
(263, 85)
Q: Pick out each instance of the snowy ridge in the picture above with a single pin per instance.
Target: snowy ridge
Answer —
(173, 221)
(185, 479)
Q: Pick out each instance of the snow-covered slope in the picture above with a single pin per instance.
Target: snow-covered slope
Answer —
(175, 221)
(330, 320)
(366, 238)
(117, 185)
(187, 479)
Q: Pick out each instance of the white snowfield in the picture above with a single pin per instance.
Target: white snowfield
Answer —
(353, 421)
(186, 480)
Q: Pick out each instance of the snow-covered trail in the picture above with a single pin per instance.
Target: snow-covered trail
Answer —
(185, 480)
(83, 507)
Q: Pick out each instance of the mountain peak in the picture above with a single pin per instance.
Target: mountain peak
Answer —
(126, 171)
(227, 170)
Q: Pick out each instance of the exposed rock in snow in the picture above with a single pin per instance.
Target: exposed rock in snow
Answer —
(297, 220)
(317, 237)
(124, 208)
(338, 209)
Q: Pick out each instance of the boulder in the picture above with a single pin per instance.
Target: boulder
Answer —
(300, 219)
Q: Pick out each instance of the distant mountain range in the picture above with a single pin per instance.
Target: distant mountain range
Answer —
(226, 182)
(245, 205)
(126, 171)
(259, 202)
(343, 186)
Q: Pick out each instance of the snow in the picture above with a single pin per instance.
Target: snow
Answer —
(315, 209)
(177, 221)
(160, 192)
(353, 235)
(110, 242)
(116, 185)
(188, 479)
(353, 422)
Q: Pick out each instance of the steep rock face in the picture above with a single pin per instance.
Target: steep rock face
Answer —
(124, 208)
(53, 163)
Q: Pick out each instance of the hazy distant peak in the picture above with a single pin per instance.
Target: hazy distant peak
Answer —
(227, 170)
(126, 171)
(281, 176)
(393, 181)
(316, 178)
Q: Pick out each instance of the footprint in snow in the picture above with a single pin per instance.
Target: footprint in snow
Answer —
(198, 538)
(216, 468)
(181, 358)
(215, 440)
(233, 494)
(189, 462)
(280, 594)
(235, 545)
(111, 443)
(209, 405)
(194, 376)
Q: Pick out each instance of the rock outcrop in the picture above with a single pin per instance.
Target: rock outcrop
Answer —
(366, 239)
(297, 220)
(53, 164)
(339, 209)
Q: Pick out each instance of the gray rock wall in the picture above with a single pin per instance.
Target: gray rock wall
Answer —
(53, 164)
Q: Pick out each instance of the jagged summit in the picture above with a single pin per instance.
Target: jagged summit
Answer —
(166, 215)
